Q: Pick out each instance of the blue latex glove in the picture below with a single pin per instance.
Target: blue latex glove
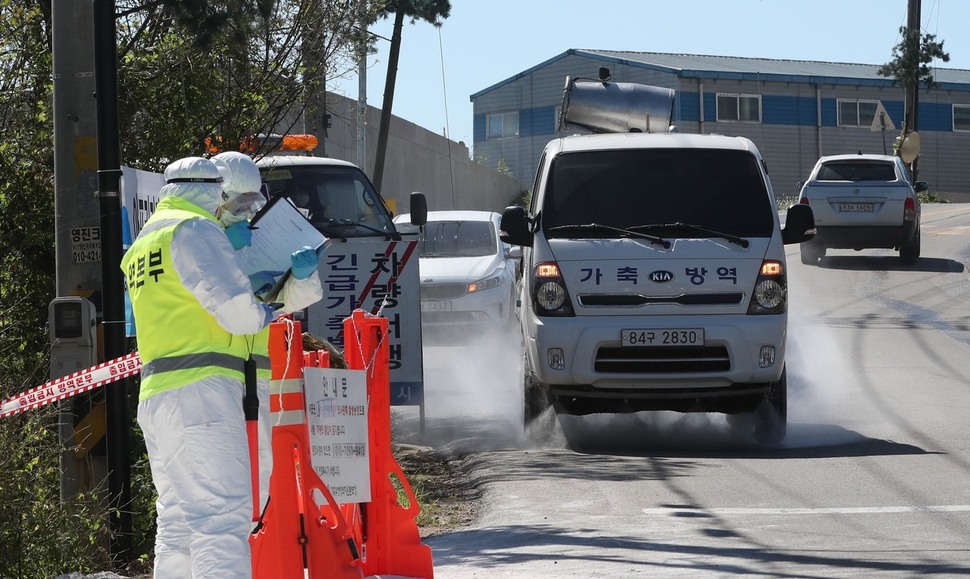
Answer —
(269, 313)
(239, 235)
(263, 281)
(304, 262)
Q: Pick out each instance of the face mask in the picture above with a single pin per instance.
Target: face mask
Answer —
(243, 205)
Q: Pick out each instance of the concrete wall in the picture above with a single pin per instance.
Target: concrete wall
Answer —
(418, 160)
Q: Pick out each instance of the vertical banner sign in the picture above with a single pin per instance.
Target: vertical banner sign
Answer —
(139, 195)
(337, 420)
(375, 276)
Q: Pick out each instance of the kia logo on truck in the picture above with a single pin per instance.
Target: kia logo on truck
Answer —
(661, 276)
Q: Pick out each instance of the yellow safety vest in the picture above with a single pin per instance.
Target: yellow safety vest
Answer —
(261, 353)
(179, 342)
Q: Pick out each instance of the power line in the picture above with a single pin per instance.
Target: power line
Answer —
(444, 91)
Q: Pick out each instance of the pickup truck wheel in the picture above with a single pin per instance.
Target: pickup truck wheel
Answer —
(910, 253)
(771, 415)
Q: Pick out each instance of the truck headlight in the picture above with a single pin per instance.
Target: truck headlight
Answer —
(770, 295)
(549, 291)
(550, 295)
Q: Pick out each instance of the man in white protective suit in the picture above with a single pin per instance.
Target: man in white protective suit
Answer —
(195, 312)
(241, 199)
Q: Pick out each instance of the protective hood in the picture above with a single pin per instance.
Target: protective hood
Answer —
(195, 180)
(240, 187)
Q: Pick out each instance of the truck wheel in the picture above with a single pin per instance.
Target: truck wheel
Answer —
(810, 253)
(910, 253)
(771, 415)
(535, 399)
(539, 421)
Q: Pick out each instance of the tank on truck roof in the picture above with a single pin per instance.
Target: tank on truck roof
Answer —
(615, 107)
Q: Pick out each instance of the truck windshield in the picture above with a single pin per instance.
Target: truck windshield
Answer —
(340, 201)
(716, 191)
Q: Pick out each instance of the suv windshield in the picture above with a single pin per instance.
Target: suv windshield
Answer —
(717, 190)
(458, 239)
(339, 201)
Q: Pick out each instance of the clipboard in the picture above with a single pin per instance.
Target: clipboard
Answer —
(279, 229)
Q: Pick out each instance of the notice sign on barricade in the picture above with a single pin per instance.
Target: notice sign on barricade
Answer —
(337, 420)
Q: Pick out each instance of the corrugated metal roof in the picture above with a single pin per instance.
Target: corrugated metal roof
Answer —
(706, 66)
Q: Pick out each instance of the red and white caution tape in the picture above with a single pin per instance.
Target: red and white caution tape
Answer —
(72, 384)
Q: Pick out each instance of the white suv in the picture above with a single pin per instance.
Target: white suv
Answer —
(654, 278)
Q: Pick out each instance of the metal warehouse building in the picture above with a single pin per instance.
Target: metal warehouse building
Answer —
(794, 111)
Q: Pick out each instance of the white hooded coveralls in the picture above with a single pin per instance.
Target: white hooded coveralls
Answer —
(195, 434)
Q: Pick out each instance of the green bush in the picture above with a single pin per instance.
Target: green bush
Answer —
(930, 197)
(41, 535)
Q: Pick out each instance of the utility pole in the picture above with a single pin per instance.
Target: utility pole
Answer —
(912, 92)
(362, 106)
(77, 232)
(93, 427)
(112, 280)
(385, 127)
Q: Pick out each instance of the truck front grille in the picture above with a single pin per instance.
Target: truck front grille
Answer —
(620, 300)
(662, 360)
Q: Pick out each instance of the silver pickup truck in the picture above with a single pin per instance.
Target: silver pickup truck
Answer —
(862, 201)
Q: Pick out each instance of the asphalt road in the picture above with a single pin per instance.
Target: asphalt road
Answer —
(873, 478)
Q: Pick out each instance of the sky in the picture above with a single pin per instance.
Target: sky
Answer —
(484, 42)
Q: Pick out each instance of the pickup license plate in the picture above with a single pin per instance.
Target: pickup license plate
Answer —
(435, 306)
(662, 337)
(856, 207)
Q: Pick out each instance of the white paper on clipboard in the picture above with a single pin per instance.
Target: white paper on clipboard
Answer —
(279, 229)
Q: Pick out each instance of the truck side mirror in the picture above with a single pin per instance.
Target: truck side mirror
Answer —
(799, 224)
(921, 187)
(419, 209)
(515, 226)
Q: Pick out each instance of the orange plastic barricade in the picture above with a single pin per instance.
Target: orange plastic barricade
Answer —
(297, 537)
(392, 544)
(350, 511)
(316, 359)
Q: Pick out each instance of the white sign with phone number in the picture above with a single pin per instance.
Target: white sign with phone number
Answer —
(85, 244)
(337, 420)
